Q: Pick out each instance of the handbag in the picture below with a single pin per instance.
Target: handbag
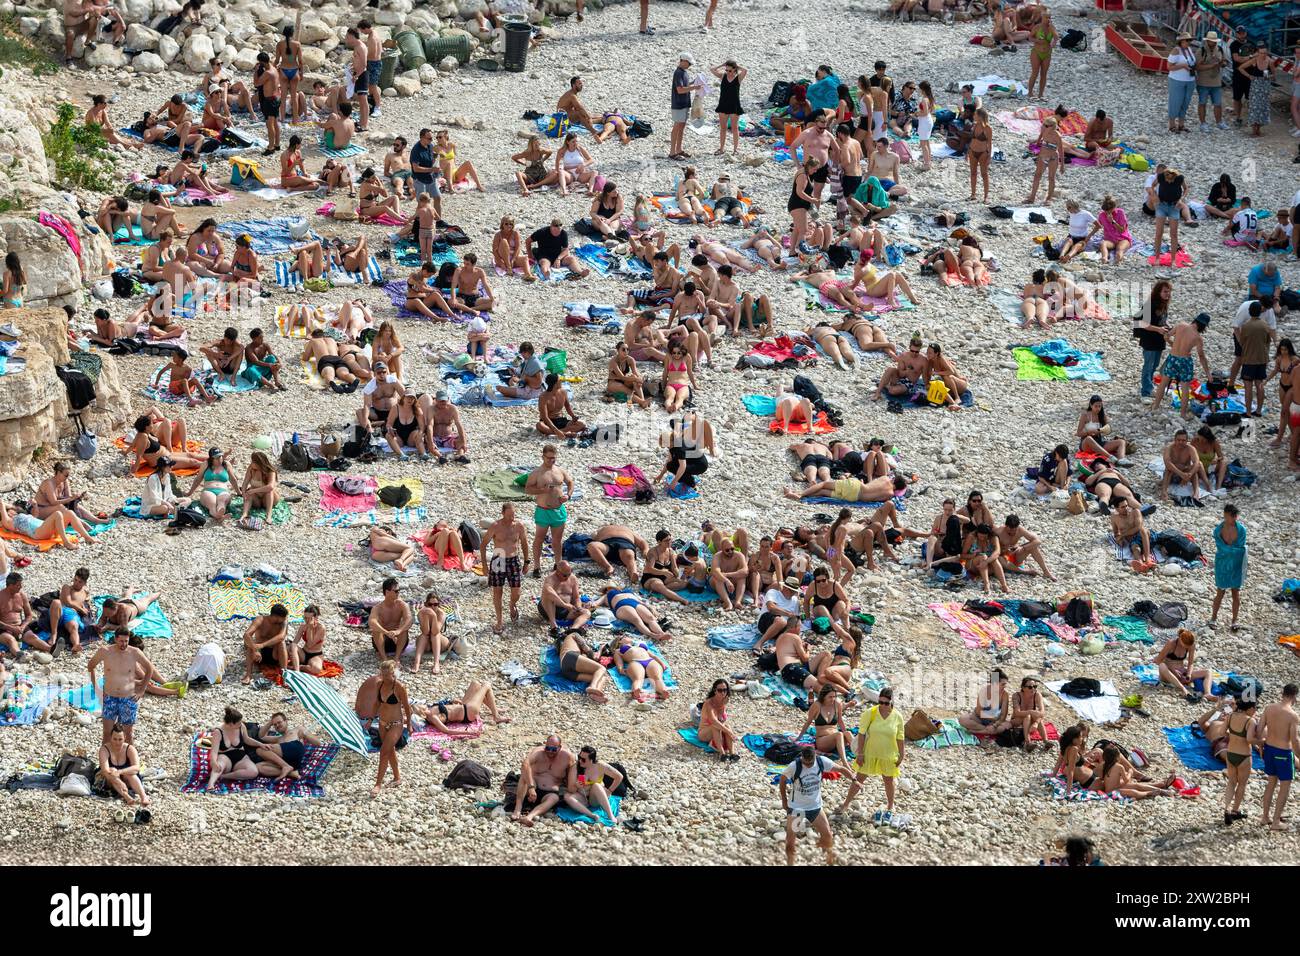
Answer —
(1076, 505)
(919, 726)
(330, 445)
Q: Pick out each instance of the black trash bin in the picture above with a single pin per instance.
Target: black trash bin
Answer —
(518, 34)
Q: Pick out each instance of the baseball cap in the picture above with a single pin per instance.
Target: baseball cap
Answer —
(440, 395)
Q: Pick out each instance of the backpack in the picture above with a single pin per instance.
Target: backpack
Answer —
(294, 457)
(349, 484)
(626, 788)
(1176, 545)
(1035, 610)
(1244, 688)
(468, 775)
(1011, 737)
(838, 256)
(806, 388)
(191, 516)
(455, 236)
(470, 538)
(781, 92)
(766, 662)
(1074, 40)
(395, 496)
(1168, 615)
(1078, 613)
(1082, 687)
(782, 752)
(77, 764)
(1223, 419)
(984, 609)
(639, 129)
(1002, 212)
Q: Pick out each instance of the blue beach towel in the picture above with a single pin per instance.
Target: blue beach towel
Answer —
(269, 236)
(134, 238)
(347, 152)
(680, 492)
(1195, 751)
(762, 405)
(288, 277)
(1147, 674)
(692, 736)
(552, 678)
(785, 693)
(625, 685)
(152, 623)
(569, 815)
(734, 637)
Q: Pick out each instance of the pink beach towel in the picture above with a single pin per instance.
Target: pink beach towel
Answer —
(974, 630)
(623, 490)
(331, 500)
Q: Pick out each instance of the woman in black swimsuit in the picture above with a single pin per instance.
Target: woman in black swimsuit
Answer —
(477, 698)
(234, 748)
(1073, 764)
(801, 201)
(394, 716)
(607, 211)
(119, 765)
(828, 595)
(406, 428)
(826, 714)
(659, 575)
(1177, 664)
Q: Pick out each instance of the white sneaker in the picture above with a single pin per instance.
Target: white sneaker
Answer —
(1223, 125)
(1205, 127)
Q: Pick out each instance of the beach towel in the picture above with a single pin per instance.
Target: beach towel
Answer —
(449, 561)
(332, 500)
(414, 485)
(1096, 710)
(975, 631)
(1056, 784)
(1147, 674)
(269, 236)
(132, 238)
(372, 518)
(329, 670)
(347, 152)
(49, 543)
(1133, 630)
(827, 500)
(552, 678)
(245, 599)
(1021, 214)
(569, 815)
(623, 683)
(315, 761)
(621, 483)
(288, 277)
(994, 84)
(763, 405)
(23, 700)
(953, 279)
(152, 623)
(396, 291)
(438, 741)
(331, 711)
(280, 514)
(820, 425)
(601, 260)
(692, 736)
(734, 637)
(678, 491)
(1077, 364)
(498, 485)
(950, 734)
(1194, 750)
(786, 693)
(813, 299)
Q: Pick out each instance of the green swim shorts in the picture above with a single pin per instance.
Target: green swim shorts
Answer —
(550, 517)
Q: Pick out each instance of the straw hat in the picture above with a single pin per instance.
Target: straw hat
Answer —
(1211, 37)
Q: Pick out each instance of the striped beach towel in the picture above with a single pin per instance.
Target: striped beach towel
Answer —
(348, 151)
(371, 518)
(287, 277)
(315, 761)
(330, 710)
(243, 599)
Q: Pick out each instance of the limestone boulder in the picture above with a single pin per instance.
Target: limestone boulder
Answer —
(198, 50)
(407, 84)
(245, 59)
(168, 49)
(105, 56)
(140, 37)
(148, 63)
(136, 11)
(314, 30)
(313, 58)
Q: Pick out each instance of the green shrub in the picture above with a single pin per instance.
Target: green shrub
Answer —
(18, 50)
(79, 152)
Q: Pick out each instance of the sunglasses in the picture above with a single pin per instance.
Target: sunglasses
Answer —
(551, 750)
(723, 690)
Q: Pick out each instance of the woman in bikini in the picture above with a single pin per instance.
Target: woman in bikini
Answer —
(1209, 450)
(156, 256)
(1284, 367)
(1044, 38)
(351, 256)
(157, 214)
(405, 428)
(293, 173)
(156, 435)
(534, 174)
(573, 164)
(1092, 433)
(1242, 733)
(1051, 157)
(870, 338)
(826, 717)
(288, 60)
(826, 595)
(690, 198)
(679, 377)
(244, 265)
(393, 714)
(444, 541)
(373, 199)
(630, 609)
(386, 347)
(659, 575)
(214, 485)
(1117, 777)
(713, 729)
(832, 288)
(386, 547)
(1027, 708)
(1177, 665)
(508, 251)
(432, 621)
(1034, 306)
(261, 486)
(638, 663)
(980, 152)
(205, 253)
(835, 667)
(445, 154)
(1075, 765)
(827, 338)
(980, 552)
(230, 750)
(939, 366)
(478, 697)
(307, 651)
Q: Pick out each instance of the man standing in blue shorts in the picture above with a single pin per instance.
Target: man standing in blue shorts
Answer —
(1277, 728)
(374, 50)
(126, 675)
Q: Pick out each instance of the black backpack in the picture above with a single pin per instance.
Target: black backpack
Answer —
(1082, 688)
(1011, 737)
(123, 284)
(1002, 212)
(1074, 40)
(626, 788)
(295, 457)
(806, 388)
(470, 538)
(455, 236)
(1035, 609)
(468, 775)
(639, 129)
(1177, 545)
(191, 516)
(1078, 613)
(395, 496)
(782, 752)
(781, 93)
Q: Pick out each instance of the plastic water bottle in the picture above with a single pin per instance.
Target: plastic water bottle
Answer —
(295, 438)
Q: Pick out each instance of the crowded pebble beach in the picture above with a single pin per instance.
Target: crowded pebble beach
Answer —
(748, 488)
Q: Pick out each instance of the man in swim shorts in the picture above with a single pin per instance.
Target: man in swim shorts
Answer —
(551, 487)
(508, 539)
(1278, 729)
(123, 685)
(390, 623)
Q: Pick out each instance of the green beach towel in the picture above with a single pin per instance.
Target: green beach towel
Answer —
(1030, 368)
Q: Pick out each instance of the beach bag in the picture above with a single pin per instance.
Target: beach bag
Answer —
(455, 236)
(191, 516)
(936, 392)
(1244, 688)
(85, 444)
(395, 496)
(899, 149)
(1223, 419)
(625, 788)
(1082, 688)
(639, 129)
(780, 95)
(74, 785)
(1076, 505)
(766, 662)
(468, 775)
(919, 726)
(350, 485)
(1167, 615)
(1035, 610)
(807, 388)
(330, 446)
(782, 752)
(295, 457)
(1177, 545)
(1002, 212)
(1078, 612)
(1074, 40)
(470, 538)
(1011, 737)
(251, 523)
(78, 765)
(1136, 162)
